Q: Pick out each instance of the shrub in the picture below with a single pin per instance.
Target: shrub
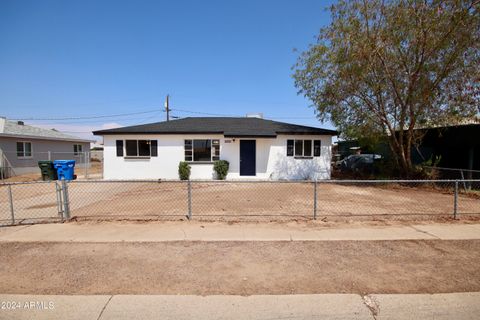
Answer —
(221, 168)
(184, 170)
(427, 169)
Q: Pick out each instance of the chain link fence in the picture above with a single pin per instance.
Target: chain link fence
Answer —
(238, 200)
(87, 166)
(32, 202)
(452, 174)
(398, 198)
(129, 200)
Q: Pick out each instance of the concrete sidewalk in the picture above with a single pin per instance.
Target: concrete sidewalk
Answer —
(197, 231)
(457, 306)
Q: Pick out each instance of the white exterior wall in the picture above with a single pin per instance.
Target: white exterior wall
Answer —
(164, 166)
(271, 159)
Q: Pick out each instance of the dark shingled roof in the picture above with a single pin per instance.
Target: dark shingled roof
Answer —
(229, 127)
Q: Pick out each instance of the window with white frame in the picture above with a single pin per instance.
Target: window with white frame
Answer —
(137, 148)
(303, 148)
(24, 149)
(77, 149)
(202, 150)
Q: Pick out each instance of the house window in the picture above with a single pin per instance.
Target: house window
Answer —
(153, 148)
(303, 148)
(119, 145)
(24, 149)
(317, 144)
(202, 150)
(188, 147)
(290, 148)
(138, 148)
(77, 149)
(307, 148)
(215, 150)
(298, 148)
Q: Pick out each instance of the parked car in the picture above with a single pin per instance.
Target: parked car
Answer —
(358, 162)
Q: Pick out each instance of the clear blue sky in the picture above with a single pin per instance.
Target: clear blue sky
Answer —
(87, 58)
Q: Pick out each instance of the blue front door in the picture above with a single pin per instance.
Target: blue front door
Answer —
(247, 157)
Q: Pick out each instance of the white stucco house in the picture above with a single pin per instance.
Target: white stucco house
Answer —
(255, 148)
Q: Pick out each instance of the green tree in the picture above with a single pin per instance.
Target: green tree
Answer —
(386, 67)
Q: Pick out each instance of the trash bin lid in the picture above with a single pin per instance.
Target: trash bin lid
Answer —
(45, 163)
(61, 163)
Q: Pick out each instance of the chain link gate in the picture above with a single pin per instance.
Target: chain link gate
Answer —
(33, 202)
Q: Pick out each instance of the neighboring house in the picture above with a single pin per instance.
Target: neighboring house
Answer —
(254, 147)
(457, 147)
(22, 146)
(96, 152)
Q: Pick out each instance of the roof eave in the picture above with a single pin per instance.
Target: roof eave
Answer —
(323, 133)
(326, 133)
(250, 136)
(106, 133)
(22, 136)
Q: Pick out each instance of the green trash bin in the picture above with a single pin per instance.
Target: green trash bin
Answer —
(47, 170)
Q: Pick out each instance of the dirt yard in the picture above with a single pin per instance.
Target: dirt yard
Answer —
(232, 201)
(242, 268)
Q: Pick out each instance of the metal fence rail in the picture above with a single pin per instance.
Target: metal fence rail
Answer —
(32, 202)
(11, 165)
(133, 199)
(25, 203)
(397, 198)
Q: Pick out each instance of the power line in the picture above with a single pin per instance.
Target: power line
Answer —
(83, 104)
(89, 117)
(87, 122)
(205, 113)
(81, 123)
(146, 112)
(143, 120)
(240, 101)
(235, 115)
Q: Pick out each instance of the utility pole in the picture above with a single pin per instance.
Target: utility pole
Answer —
(167, 108)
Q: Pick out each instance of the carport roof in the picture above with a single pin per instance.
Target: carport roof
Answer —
(228, 126)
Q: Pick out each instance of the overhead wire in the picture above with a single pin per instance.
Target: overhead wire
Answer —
(87, 117)
(233, 115)
(78, 119)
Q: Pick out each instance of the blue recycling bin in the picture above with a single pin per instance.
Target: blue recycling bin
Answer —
(65, 169)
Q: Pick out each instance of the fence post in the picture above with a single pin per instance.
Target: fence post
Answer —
(463, 180)
(49, 156)
(10, 199)
(455, 200)
(66, 203)
(315, 199)
(189, 216)
(58, 190)
(85, 164)
(89, 157)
